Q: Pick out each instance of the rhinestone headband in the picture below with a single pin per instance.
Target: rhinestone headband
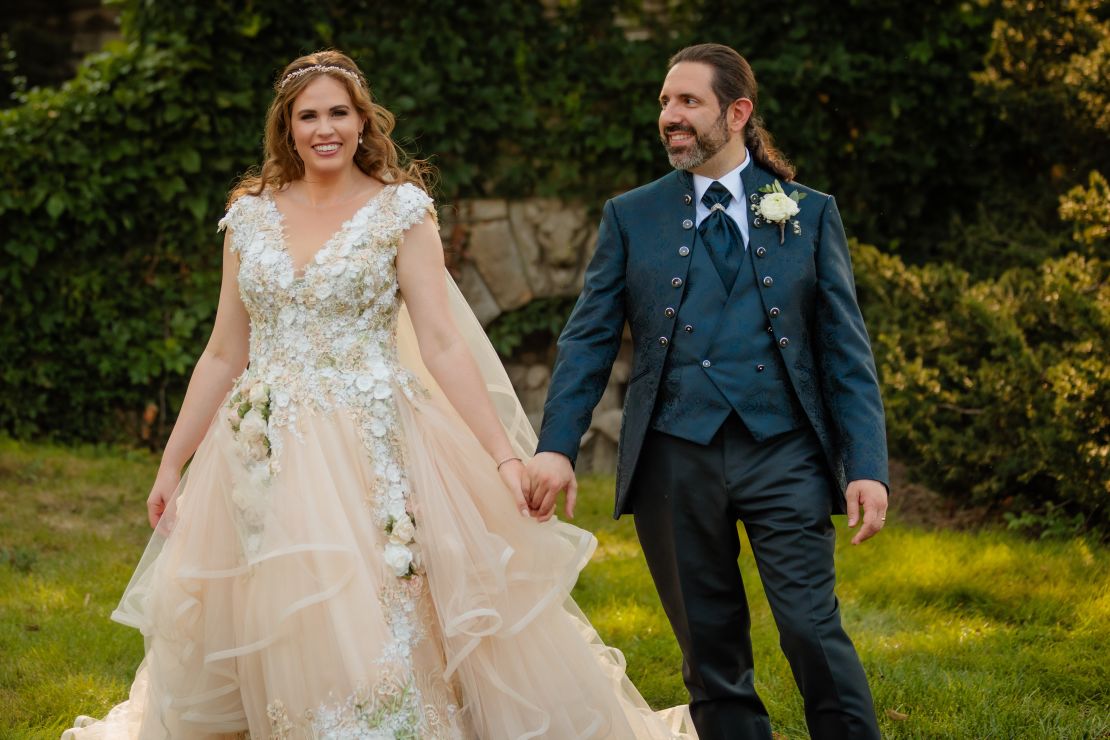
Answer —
(319, 68)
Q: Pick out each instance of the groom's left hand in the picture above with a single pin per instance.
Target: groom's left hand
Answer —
(871, 495)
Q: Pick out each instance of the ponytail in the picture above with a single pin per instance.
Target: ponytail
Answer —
(764, 152)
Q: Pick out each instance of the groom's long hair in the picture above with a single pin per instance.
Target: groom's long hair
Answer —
(733, 79)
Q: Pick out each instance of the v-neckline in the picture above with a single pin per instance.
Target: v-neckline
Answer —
(300, 273)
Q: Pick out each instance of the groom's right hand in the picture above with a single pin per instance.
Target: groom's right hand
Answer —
(549, 473)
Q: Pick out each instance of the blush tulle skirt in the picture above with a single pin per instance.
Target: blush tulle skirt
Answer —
(292, 624)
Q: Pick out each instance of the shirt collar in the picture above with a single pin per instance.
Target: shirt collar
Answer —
(731, 180)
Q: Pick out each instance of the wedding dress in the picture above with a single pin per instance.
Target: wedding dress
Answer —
(341, 558)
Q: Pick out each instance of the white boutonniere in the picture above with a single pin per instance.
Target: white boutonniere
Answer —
(774, 206)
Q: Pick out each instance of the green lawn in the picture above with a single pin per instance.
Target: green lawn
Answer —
(963, 635)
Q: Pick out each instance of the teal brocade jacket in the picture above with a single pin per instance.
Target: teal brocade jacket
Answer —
(638, 270)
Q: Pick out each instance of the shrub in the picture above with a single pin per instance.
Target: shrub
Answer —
(997, 391)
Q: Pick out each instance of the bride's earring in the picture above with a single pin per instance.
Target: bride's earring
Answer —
(360, 139)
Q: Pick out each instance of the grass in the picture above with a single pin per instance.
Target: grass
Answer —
(963, 635)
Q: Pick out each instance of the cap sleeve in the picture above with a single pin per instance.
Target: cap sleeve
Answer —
(239, 219)
(231, 217)
(411, 205)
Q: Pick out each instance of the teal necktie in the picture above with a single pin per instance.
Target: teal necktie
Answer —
(721, 235)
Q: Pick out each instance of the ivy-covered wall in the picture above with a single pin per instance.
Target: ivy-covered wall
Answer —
(948, 131)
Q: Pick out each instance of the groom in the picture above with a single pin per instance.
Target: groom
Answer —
(753, 397)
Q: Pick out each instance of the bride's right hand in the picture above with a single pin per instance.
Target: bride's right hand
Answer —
(512, 472)
(160, 493)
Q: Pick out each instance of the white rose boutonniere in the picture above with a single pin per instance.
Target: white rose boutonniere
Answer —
(775, 206)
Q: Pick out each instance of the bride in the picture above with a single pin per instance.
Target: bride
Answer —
(350, 553)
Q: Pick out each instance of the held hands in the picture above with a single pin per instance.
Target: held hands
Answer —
(548, 474)
(872, 496)
(165, 483)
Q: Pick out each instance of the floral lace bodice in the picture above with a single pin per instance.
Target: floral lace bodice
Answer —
(325, 336)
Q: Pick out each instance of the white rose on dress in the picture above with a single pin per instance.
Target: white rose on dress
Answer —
(777, 207)
(403, 530)
(252, 435)
(398, 558)
(417, 558)
(396, 509)
(257, 449)
(253, 426)
(259, 394)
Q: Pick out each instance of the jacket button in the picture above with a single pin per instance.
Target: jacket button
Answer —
(676, 282)
(687, 224)
(688, 328)
(774, 312)
(687, 199)
(663, 341)
(783, 342)
(706, 363)
(768, 281)
(683, 251)
(760, 368)
(770, 330)
(668, 312)
(760, 251)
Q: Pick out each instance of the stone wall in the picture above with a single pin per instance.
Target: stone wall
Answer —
(505, 253)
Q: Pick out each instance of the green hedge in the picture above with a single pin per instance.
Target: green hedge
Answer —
(998, 391)
(111, 257)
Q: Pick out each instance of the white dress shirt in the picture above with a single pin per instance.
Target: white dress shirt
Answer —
(737, 207)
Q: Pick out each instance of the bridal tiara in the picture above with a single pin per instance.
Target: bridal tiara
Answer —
(319, 68)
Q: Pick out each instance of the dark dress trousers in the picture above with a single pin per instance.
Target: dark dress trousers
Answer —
(756, 403)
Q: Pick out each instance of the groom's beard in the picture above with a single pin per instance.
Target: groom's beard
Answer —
(702, 150)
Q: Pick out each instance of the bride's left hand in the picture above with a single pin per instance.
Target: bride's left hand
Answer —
(512, 474)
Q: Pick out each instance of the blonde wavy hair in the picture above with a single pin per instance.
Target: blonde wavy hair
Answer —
(378, 155)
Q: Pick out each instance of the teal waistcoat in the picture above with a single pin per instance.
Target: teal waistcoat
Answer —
(723, 359)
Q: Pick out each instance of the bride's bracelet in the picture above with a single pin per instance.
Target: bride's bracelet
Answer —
(507, 459)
